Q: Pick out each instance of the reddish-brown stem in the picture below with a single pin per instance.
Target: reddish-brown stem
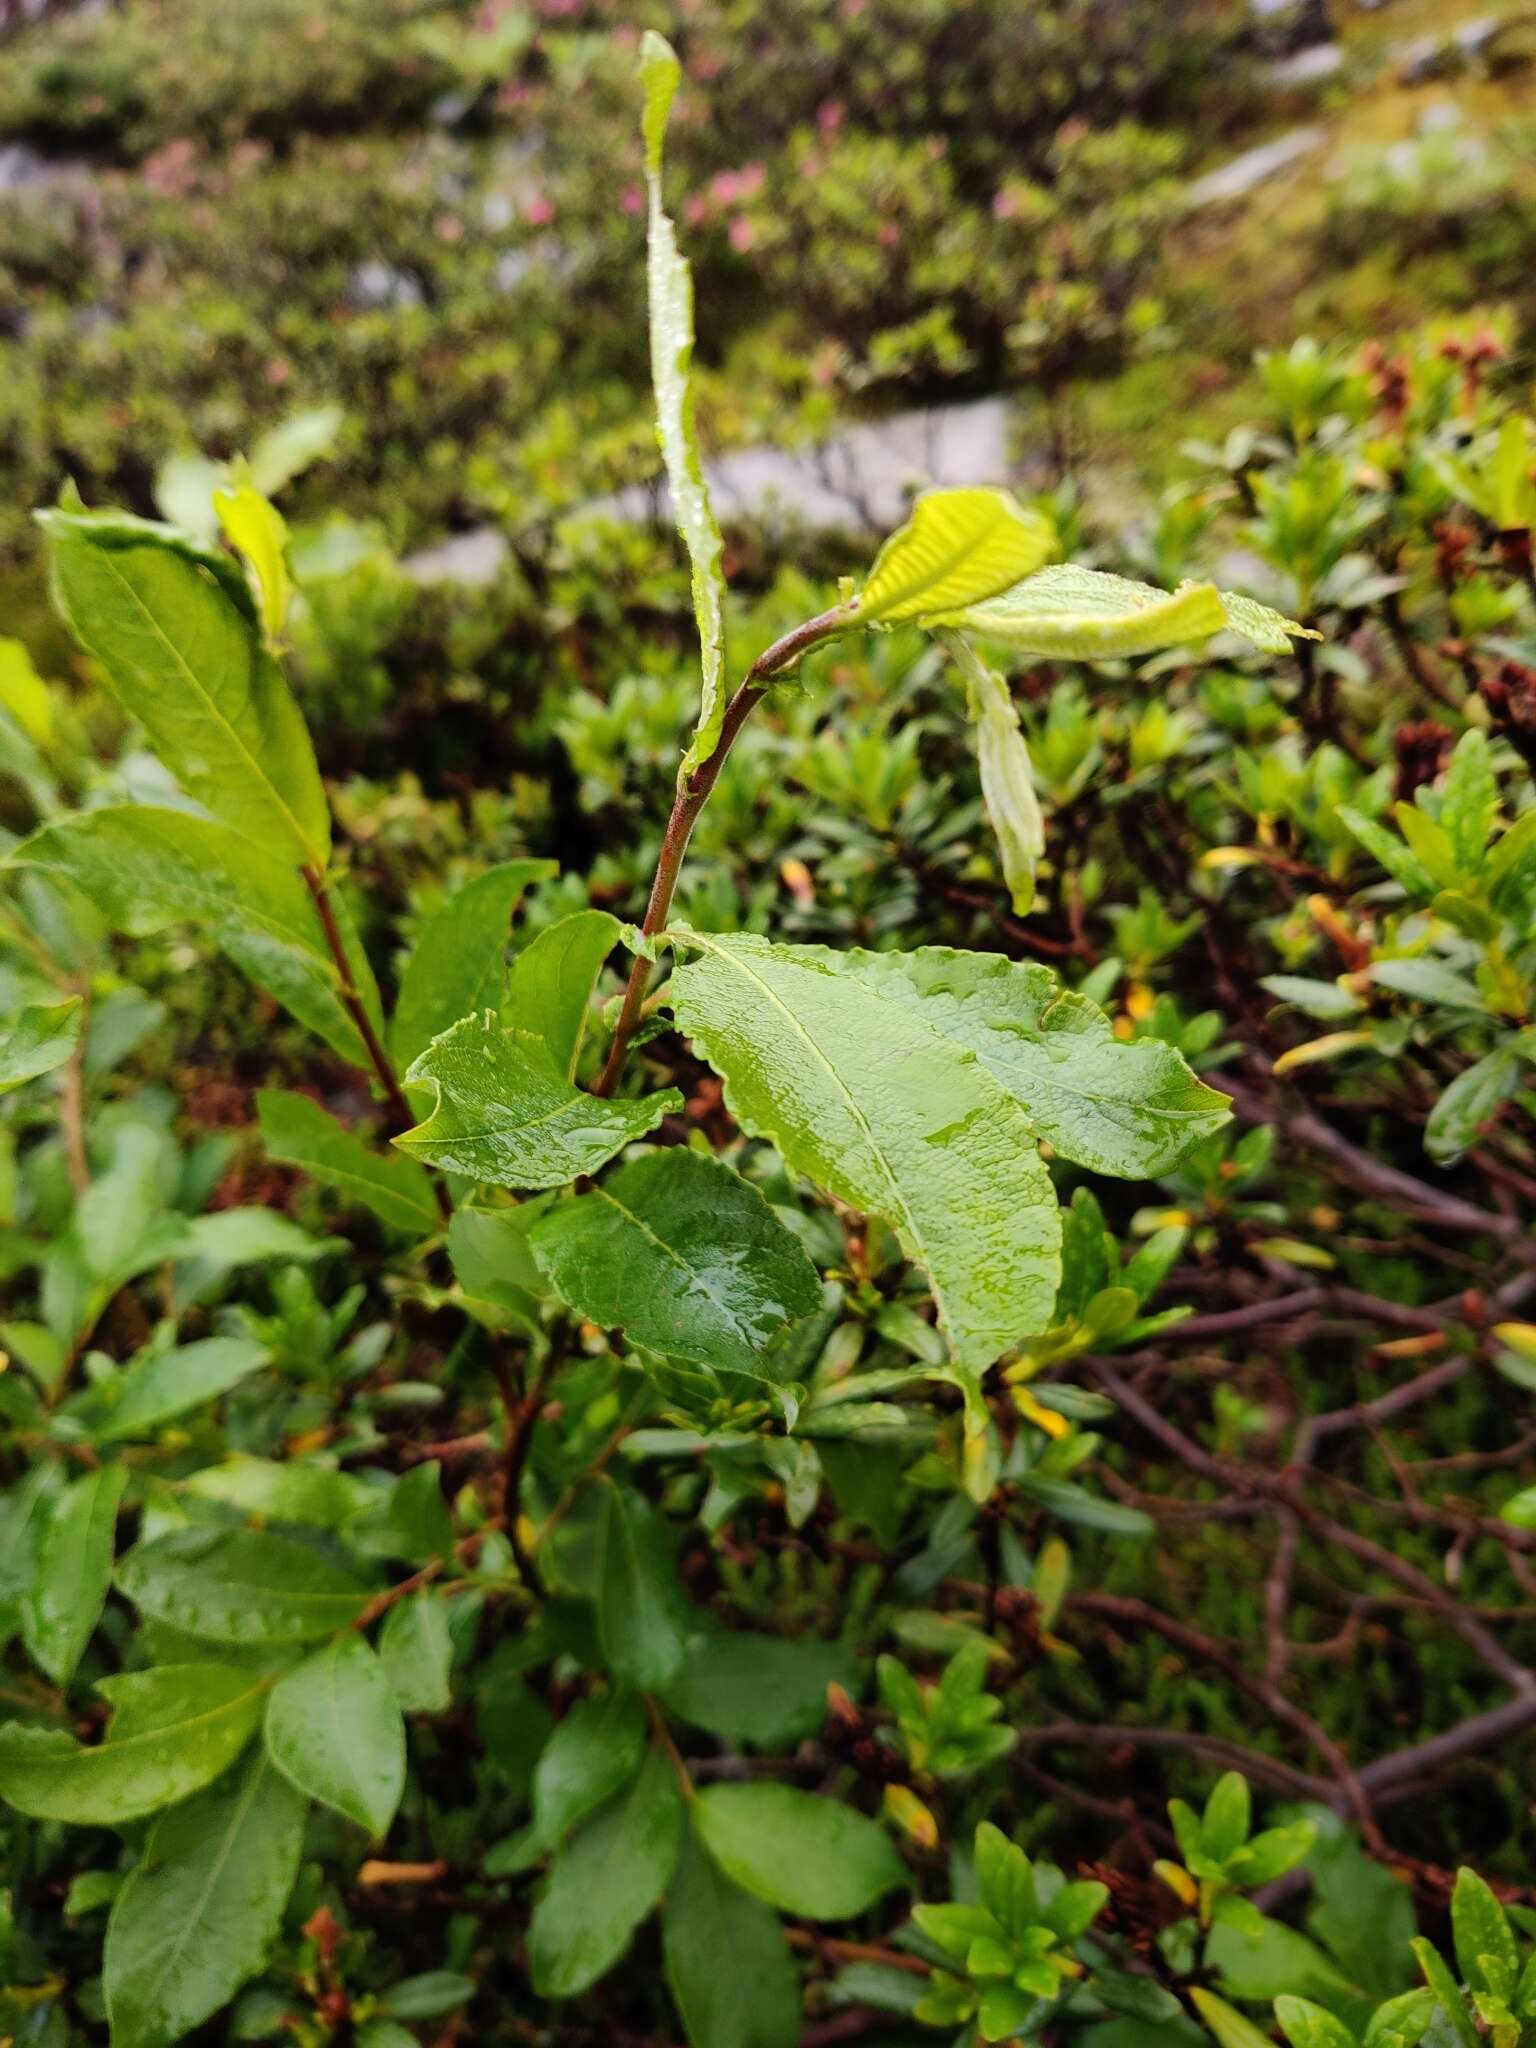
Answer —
(383, 1067)
(691, 798)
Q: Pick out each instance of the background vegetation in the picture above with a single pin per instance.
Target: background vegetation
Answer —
(393, 253)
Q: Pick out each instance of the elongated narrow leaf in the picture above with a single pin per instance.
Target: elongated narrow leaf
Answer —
(729, 1968)
(503, 1118)
(603, 1883)
(166, 1384)
(1129, 1108)
(800, 1852)
(173, 1730)
(74, 1569)
(300, 1133)
(549, 990)
(239, 1586)
(642, 1617)
(145, 867)
(958, 548)
(670, 294)
(188, 664)
(876, 1103)
(257, 530)
(681, 1253)
(1007, 779)
(36, 1041)
(460, 960)
(334, 1730)
(1086, 615)
(202, 1907)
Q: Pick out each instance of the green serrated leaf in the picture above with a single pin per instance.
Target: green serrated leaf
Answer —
(186, 662)
(755, 1688)
(202, 1906)
(298, 1132)
(805, 1854)
(334, 1730)
(459, 963)
(882, 1106)
(549, 991)
(1083, 614)
(503, 1118)
(63, 1604)
(144, 868)
(239, 1586)
(684, 1255)
(173, 1730)
(729, 1969)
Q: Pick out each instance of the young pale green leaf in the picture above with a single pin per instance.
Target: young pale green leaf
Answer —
(642, 1618)
(299, 1132)
(416, 1652)
(40, 1038)
(1471, 800)
(239, 1586)
(63, 1604)
(156, 1389)
(759, 1689)
(460, 960)
(1128, 1108)
(186, 662)
(959, 548)
(24, 696)
(670, 294)
(604, 1881)
(173, 1730)
(800, 1852)
(145, 867)
(334, 1730)
(1228, 1815)
(682, 1254)
(258, 532)
(728, 1966)
(501, 1117)
(1080, 614)
(549, 990)
(1485, 1946)
(293, 445)
(202, 1906)
(877, 1103)
(1007, 779)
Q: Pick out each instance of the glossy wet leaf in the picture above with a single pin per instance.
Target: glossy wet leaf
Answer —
(670, 300)
(1081, 614)
(145, 867)
(202, 1906)
(63, 1603)
(188, 664)
(596, 1749)
(300, 1133)
(416, 1652)
(334, 1730)
(683, 1255)
(1007, 779)
(459, 962)
(805, 1854)
(729, 1969)
(173, 1730)
(873, 1101)
(958, 548)
(256, 529)
(503, 1118)
(38, 1039)
(549, 990)
(604, 1881)
(240, 1586)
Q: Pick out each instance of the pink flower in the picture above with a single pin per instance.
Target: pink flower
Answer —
(539, 212)
(829, 116)
(742, 236)
(632, 199)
